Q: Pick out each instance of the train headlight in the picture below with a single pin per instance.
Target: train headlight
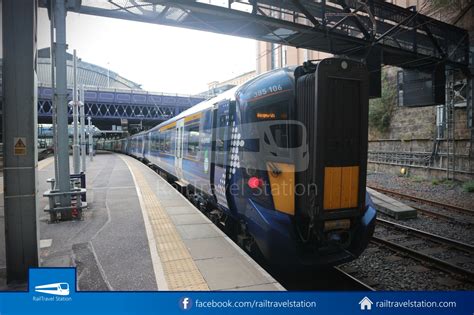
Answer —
(344, 65)
(255, 182)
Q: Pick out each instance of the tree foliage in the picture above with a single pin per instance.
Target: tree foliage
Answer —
(381, 109)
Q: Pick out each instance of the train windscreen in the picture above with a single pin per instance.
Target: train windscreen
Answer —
(270, 122)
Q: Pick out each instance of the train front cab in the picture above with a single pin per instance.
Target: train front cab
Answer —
(307, 202)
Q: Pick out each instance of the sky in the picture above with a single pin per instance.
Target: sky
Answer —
(160, 58)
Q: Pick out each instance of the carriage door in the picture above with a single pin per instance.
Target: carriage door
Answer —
(222, 123)
(178, 162)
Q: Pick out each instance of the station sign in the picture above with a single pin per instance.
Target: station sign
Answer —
(419, 88)
(19, 146)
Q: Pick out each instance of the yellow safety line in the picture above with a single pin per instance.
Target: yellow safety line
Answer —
(44, 163)
(180, 271)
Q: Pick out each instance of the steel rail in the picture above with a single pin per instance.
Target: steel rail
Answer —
(423, 200)
(435, 262)
(430, 236)
(358, 282)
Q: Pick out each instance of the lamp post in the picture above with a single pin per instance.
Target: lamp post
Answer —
(141, 116)
(83, 129)
(91, 143)
(75, 117)
(108, 74)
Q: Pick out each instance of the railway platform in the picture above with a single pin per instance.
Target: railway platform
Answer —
(140, 234)
(391, 207)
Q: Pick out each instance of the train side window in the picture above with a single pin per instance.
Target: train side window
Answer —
(158, 141)
(153, 141)
(172, 141)
(205, 134)
(167, 142)
(220, 138)
(140, 144)
(162, 141)
(192, 132)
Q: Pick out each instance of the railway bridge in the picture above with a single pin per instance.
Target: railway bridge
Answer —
(109, 107)
(109, 98)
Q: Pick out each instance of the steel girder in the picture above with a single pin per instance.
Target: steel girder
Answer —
(117, 104)
(399, 36)
(117, 111)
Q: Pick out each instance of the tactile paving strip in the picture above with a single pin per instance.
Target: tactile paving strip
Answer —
(179, 268)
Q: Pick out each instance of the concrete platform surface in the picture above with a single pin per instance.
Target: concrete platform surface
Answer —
(139, 233)
(194, 253)
(391, 207)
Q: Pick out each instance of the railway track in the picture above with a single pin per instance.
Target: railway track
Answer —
(456, 214)
(329, 279)
(424, 247)
(45, 154)
(441, 215)
(357, 284)
(425, 201)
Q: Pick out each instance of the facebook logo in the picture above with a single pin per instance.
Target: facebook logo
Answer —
(185, 303)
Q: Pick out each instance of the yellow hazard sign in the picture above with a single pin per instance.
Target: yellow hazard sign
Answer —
(19, 146)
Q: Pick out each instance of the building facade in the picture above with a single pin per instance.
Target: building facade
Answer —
(217, 87)
(273, 56)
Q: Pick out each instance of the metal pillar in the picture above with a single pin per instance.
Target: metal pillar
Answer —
(91, 140)
(83, 130)
(53, 100)
(20, 137)
(75, 118)
(63, 183)
(450, 127)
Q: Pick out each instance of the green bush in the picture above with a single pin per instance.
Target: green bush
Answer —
(449, 183)
(446, 182)
(468, 186)
(381, 109)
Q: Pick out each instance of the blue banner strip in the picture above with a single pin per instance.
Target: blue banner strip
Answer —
(53, 291)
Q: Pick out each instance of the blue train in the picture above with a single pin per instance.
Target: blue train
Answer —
(279, 162)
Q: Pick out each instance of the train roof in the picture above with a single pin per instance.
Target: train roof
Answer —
(229, 94)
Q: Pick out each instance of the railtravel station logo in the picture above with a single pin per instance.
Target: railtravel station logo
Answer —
(52, 284)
